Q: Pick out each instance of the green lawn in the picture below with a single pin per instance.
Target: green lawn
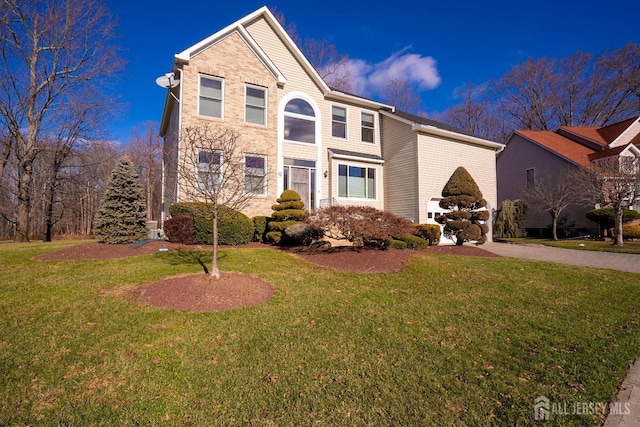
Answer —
(450, 340)
(587, 245)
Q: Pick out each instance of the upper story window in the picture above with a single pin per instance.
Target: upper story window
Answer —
(531, 178)
(338, 122)
(209, 168)
(356, 182)
(299, 122)
(210, 97)
(256, 105)
(255, 172)
(627, 164)
(368, 127)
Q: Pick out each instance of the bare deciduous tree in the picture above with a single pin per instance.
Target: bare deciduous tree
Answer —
(53, 52)
(553, 193)
(399, 93)
(611, 182)
(214, 170)
(145, 150)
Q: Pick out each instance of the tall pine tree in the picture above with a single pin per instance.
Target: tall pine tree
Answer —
(122, 217)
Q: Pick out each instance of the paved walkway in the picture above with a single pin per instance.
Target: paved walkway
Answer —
(611, 260)
(627, 403)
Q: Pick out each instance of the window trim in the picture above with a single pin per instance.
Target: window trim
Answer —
(264, 177)
(366, 187)
(208, 168)
(530, 182)
(362, 127)
(313, 119)
(265, 91)
(346, 122)
(200, 96)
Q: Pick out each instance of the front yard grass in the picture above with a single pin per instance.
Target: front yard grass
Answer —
(450, 340)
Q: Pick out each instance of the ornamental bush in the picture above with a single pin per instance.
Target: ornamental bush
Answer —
(414, 242)
(510, 219)
(606, 218)
(234, 228)
(369, 224)
(631, 232)
(287, 212)
(179, 229)
(429, 232)
(259, 228)
(464, 220)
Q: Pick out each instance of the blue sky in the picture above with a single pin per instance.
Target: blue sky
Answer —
(442, 44)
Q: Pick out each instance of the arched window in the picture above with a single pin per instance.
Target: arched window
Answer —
(299, 122)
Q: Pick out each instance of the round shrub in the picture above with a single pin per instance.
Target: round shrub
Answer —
(414, 242)
(259, 228)
(631, 232)
(234, 228)
(429, 232)
(179, 229)
(392, 243)
(302, 234)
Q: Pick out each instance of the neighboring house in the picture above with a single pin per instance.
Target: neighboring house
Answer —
(529, 154)
(330, 146)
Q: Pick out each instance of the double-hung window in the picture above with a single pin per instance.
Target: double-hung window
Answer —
(338, 122)
(210, 97)
(256, 105)
(209, 169)
(367, 126)
(255, 172)
(356, 182)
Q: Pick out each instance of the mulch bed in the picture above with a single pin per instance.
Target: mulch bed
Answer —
(199, 293)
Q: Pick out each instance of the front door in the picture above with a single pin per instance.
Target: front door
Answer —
(300, 184)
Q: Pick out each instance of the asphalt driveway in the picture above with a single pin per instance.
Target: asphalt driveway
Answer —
(610, 260)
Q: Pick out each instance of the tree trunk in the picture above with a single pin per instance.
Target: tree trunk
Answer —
(24, 201)
(554, 226)
(49, 215)
(619, 238)
(215, 273)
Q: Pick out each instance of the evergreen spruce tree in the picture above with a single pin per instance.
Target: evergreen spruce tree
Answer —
(122, 216)
(465, 220)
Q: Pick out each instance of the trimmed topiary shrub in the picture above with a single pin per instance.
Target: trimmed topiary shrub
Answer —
(234, 228)
(429, 232)
(414, 242)
(464, 220)
(259, 228)
(179, 229)
(606, 218)
(288, 211)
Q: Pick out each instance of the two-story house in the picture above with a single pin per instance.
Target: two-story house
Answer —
(330, 146)
(529, 155)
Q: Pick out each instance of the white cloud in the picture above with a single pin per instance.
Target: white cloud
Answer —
(372, 78)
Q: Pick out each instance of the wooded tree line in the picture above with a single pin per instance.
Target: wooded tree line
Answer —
(55, 102)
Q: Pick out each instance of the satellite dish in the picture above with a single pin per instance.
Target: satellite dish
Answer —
(168, 81)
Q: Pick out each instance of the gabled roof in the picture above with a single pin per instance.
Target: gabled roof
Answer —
(240, 26)
(425, 125)
(559, 145)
